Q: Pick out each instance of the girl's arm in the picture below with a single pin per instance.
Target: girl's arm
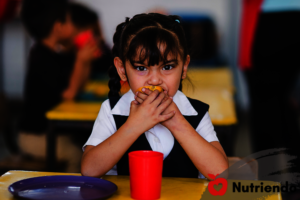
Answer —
(209, 158)
(97, 160)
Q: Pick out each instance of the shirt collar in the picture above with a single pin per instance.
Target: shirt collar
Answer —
(123, 105)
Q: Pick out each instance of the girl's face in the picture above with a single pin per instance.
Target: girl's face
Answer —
(166, 74)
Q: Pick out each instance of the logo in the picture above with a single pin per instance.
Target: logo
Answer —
(254, 188)
(216, 182)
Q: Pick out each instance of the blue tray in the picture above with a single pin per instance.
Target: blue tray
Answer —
(63, 188)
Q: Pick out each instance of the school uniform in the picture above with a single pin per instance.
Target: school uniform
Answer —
(114, 113)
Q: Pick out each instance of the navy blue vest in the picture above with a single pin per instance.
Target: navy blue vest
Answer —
(177, 163)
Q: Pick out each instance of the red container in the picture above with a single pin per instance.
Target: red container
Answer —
(145, 169)
(83, 38)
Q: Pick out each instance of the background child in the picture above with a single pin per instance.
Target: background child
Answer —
(52, 75)
(50, 72)
(90, 21)
(150, 49)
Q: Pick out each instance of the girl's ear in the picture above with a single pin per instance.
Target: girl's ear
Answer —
(120, 68)
(185, 66)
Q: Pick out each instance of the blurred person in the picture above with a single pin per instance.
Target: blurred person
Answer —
(269, 51)
(86, 19)
(52, 75)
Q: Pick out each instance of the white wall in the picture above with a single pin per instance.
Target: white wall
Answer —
(14, 59)
(113, 12)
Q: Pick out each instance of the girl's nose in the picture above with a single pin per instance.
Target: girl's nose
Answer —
(155, 79)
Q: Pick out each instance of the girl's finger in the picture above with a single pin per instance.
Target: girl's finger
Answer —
(152, 97)
(165, 117)
(138, 99)
(141, 95)
(158, 99)
(134, 103)
(164, 105)
(166, 98)
(147, 91)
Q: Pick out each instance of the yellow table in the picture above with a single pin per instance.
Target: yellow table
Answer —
(211, 78)
(221, 103)
(172, 188)
(214, 87)
(74, 111)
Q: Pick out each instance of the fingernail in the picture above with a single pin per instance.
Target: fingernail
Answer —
(136, 93)
(143, 89)
(171, 97)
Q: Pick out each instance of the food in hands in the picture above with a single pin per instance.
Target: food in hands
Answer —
(152, 88)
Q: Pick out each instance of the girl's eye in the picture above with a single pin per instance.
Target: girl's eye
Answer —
(168, 67)
(141, 68)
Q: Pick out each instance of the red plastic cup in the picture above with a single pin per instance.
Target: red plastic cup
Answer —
(82, 39)
(145, 169)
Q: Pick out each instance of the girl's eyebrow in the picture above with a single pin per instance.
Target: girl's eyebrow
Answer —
(165, 62)
(169, 61)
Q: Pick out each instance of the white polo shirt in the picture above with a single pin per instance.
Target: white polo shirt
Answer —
(159, 137)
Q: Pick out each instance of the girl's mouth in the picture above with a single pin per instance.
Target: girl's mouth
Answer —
(152, 88)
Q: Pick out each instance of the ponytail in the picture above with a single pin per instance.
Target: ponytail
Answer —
(114, 82)
(114, 78)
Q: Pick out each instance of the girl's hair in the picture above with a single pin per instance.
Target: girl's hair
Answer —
(146, 32)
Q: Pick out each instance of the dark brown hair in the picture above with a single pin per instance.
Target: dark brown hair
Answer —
(146, 32)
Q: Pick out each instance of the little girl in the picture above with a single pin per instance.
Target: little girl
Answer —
(151, 50)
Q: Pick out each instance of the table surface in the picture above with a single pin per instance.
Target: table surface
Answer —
(212, 86)
(211, 78)
(172, 188)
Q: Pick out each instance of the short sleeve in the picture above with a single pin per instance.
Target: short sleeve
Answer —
(104, 126)
(206, 129)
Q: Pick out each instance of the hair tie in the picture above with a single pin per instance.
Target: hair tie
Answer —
(126, 22)
(177, 20)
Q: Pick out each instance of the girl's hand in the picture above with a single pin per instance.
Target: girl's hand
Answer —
(141, 97)
(171, 123)
(147, 114)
